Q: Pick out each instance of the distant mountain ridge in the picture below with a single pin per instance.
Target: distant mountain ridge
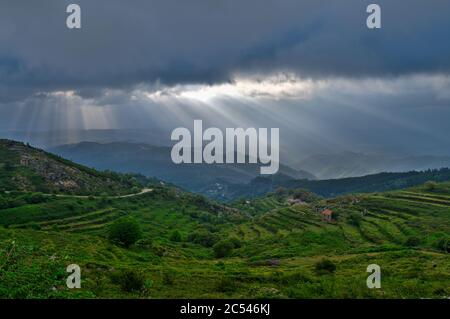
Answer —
(155, 161)
(349, 164)
(380, 182)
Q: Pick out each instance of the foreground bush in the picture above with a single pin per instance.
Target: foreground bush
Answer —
(325, 266)
(223, 248)
(431, 186)
(130, 280)
(226, 283)
(203, 237)
(412, 241)
(354, 219)
(175, 236)
(125, 232)
(444, 244)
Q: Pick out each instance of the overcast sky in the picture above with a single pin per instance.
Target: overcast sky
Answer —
(312, 68)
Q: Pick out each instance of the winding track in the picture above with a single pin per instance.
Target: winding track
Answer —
(143, 191)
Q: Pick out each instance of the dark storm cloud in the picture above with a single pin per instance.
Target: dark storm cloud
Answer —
(123, 43)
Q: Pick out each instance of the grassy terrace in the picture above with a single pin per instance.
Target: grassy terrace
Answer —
(279, 246)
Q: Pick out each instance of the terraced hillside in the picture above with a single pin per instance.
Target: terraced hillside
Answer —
(268, 247)
(387, 217)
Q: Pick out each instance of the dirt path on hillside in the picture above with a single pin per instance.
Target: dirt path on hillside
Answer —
(143, 191)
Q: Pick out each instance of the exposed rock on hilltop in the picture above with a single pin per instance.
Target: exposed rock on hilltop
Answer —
(23, 167)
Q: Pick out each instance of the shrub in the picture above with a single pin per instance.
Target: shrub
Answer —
(443, 244)
(175, 236)
(35, 198)
(125, 232)
(280, 192)
(34, 226)
(145, 243)
(203, 237)
(226, 284)
(354, 219)
(431, 186)
(168, 277)
(304, 195)
(236, 242)
(325, 266)
(130, 280)
(135, 190)
(223, 248)
(412, 241)
(158, 250)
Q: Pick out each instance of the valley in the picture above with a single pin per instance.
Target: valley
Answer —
(273, 246)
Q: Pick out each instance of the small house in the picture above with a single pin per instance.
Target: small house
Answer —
(327, 215)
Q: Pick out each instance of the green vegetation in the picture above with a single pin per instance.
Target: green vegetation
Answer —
(381, 182)
(168, 243)
(325, 266)
(25, 168)
(130, 280)
(223, 248)
(265, 248)
(125, 232)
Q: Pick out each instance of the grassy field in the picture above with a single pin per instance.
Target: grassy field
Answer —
(276, 250)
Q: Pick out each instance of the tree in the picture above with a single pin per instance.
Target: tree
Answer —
(236, 242)
(223, 248)
(125, 232)
(175, 236)
(354, 219)
(304, 195)
(431, 186)
(203, 237)
(281, 191)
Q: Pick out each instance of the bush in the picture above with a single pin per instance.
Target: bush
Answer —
(226, 284)
(130, 280)
(168, 277)
(223, 248)
(203, 237)
(325, 266)
(236, 242)
(159, 250)
(354, 219)
(175, 236)
(336, 216)
(443, 244)
(304, 195)
(431, 186)
(412, 241)
(280, 192)
(35, 198)
(145, 243)
(125, 232)
(33, 226)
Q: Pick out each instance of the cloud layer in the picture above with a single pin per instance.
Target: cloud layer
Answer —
(403, 115)
(310, 67)
(122, 44)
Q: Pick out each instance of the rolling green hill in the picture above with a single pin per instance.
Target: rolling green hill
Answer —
(186, 246)
(271, 247)
(25, 168)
